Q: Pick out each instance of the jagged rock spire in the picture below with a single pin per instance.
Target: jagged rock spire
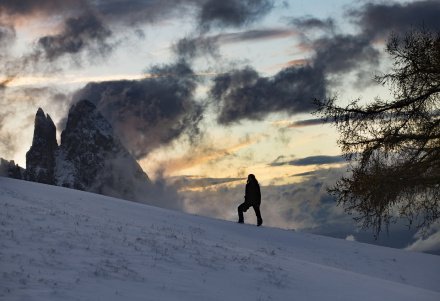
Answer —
(93, 158)
(89, 157)
(40, 159)
(85, 142)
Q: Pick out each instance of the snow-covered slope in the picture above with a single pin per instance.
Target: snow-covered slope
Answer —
(62, 244)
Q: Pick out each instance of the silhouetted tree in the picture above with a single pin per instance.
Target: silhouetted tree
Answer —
(393, 146)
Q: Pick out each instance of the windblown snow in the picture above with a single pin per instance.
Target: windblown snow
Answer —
(63, 244)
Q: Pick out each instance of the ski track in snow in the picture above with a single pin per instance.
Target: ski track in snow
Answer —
(63, 244)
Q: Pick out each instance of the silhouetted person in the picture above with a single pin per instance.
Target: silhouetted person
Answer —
(252, 198)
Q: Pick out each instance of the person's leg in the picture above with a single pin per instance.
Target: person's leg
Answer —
(258, 214)
(242, 208)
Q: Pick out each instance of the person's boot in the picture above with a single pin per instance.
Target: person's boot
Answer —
(258, 214)
(240, 216)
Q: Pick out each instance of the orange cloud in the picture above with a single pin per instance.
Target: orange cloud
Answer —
(291, 63)
(297, 62)
(69, 79)
(204, 155)
(5, 82)
(194, 157)
(20, 81)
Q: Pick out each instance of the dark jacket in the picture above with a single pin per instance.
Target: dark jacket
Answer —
(253, 194)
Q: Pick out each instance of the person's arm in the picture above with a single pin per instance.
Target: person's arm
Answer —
(258, 193)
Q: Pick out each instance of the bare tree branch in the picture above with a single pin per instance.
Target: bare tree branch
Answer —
(396, 169)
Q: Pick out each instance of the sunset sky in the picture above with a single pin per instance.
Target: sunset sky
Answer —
(204, 92)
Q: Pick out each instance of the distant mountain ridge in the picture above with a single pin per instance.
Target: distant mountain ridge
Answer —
(90, 157)
(11, 170)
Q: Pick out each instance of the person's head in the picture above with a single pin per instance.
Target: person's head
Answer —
(251, 178)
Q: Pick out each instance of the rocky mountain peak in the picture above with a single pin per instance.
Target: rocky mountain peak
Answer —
(90, 157)
(84, 116)
(40, 112)
(86, 128)
(85, 142)
(40, 159)
(44, 130)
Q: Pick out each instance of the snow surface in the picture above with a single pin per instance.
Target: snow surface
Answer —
(62, 244)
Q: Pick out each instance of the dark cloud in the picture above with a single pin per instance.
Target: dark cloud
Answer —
(208, 13)
(79, 30)
(79, 33)
(256, 34)
(27, 7)
(150, 112)
(192, 47)
(93, 26)
(377, 20)
(312, 160)
(308, 122)
(232, 13)
(134, 12)
(195, 46)
(305, 174)
(335, 52)
(244, 94)
(224, 14)
(338, 52)
(313, 23)
(343, 53)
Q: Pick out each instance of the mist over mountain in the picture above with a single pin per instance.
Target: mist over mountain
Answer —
(92, 158)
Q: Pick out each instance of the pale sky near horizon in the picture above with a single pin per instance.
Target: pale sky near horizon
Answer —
(289, 51)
